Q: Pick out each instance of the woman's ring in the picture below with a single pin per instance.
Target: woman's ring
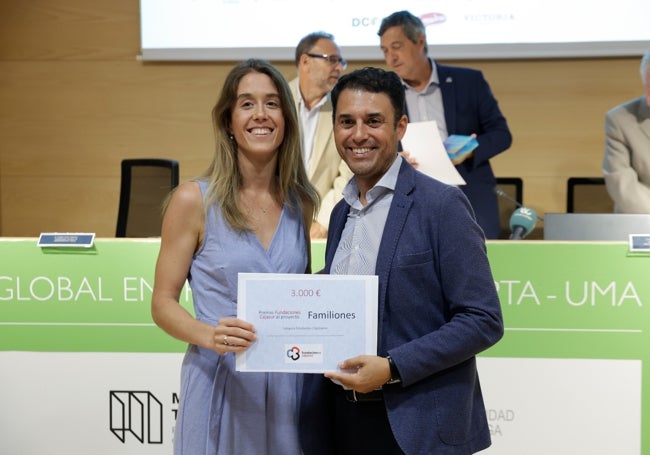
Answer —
(225, 340)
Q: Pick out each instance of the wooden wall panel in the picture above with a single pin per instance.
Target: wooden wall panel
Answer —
(62, 204)
(75, 101)
(69, 29)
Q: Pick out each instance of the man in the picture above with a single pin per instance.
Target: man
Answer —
(319, 64)
(626, 165)
(459, 100)
(438, 305)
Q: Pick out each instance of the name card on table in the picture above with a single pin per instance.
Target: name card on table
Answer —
(66, 239)
(640, 243)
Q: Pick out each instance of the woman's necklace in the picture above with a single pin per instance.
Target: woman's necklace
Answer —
(253, 207)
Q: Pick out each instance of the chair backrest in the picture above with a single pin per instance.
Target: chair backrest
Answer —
(145, 184)
(588, 195)
(510, 191)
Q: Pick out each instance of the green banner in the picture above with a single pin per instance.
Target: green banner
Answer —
(585, 300)
(572, 300)
(81, 300)
(560, 300)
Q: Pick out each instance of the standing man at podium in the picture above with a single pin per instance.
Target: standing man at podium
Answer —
(459, 100)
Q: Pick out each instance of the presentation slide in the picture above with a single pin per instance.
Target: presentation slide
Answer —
(238, 29)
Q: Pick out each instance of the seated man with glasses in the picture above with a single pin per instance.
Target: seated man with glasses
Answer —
(333, 59)
(319, 64)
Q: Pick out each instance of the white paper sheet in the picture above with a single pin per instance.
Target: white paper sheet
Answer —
(422, 141)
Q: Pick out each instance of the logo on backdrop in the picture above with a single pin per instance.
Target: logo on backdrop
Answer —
(136, 413)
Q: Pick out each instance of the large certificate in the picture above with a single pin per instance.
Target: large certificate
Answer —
(307, 323)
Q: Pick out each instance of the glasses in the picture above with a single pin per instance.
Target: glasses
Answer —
(332, 59)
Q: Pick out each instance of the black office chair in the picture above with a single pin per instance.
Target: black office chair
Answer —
(510, 193)
(144, 186)
(588, 195)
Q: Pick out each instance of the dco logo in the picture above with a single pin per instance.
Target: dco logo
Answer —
(293, 353)
(365, 21)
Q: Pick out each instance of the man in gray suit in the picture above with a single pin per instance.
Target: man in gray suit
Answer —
(626, 165)
(319, 64)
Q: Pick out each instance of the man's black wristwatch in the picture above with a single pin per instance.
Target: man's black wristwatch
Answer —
(394, 373)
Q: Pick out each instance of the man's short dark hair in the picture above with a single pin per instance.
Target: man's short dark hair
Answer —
(373, 80)
(412, 26)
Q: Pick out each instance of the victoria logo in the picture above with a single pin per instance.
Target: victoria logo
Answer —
(293, 353)
(136, 413)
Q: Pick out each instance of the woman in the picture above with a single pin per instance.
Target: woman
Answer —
(249, 212)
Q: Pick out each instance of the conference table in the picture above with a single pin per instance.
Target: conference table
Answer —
(83, 368)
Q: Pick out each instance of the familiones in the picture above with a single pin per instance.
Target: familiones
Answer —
(626, 164)
(438, 305)
(319, 64)
(459, 100)
(250, 211)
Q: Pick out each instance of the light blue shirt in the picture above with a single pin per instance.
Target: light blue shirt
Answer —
(427, 104)
(357, 251)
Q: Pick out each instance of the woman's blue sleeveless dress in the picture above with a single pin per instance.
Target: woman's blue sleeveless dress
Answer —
(223, 411)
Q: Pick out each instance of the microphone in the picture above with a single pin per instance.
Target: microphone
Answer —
(499, 192)
(505, 195)
(522, 222)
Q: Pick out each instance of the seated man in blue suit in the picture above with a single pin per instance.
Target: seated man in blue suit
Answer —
(459, 100)
(438, 306)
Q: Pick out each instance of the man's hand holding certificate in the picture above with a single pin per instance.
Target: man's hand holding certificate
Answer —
(307, 323)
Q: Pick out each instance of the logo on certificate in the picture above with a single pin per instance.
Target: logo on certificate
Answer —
(303, 353)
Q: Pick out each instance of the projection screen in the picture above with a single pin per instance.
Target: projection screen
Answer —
(456, 29)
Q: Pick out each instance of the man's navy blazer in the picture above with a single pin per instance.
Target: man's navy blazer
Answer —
(438, 308)
(471, 108)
